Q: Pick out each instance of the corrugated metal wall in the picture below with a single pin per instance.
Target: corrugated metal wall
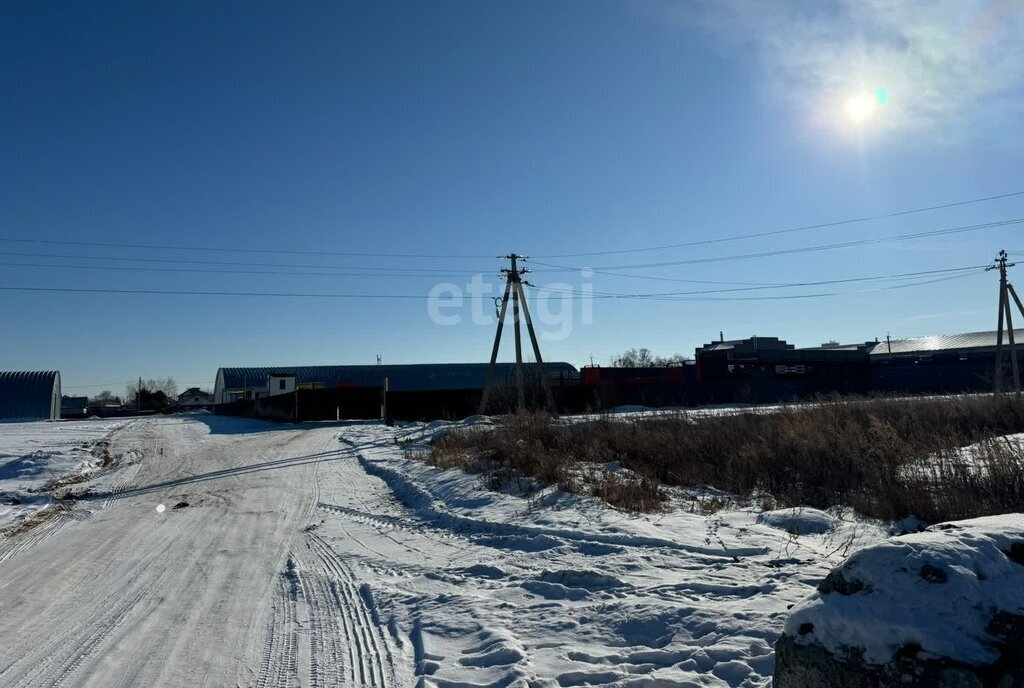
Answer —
(30, 395)
(412, 377)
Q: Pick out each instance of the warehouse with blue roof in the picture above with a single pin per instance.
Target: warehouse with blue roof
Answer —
(238, 384)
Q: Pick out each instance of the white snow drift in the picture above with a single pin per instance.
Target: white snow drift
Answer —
(937, 590)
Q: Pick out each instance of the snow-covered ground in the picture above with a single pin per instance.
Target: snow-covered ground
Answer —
(938, 590)
(35, 455)
(323, 555)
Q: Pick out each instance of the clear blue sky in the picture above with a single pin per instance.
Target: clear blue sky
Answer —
(476, 128)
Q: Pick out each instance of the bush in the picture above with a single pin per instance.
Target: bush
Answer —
(886, 457)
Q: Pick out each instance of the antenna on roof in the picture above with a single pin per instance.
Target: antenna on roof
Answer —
(378, 359)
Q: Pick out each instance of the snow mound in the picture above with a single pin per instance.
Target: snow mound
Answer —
(798, 521)
(35, 455)
(936, 591)
(588, 580)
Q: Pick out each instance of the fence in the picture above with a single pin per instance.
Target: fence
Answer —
(348, 403)
(353, 403)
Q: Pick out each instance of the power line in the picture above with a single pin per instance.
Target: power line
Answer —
(680, 279)
(803, 228)
(230, 272)
(175, 292)
(383, 270)
(802, 249)
(790, 285)
(358, 254)
(610, 295)
(694, 296)
(224, 249)
(125, 382)
(424, 272)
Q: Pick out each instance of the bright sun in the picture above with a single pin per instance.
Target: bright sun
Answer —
(860, 107)
(863, 106)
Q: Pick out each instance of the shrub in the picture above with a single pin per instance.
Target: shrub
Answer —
(886, 457)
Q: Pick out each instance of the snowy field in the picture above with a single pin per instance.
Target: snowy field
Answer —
(35, 455)
(221, 551)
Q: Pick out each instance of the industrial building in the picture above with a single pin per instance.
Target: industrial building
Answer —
(768, 368)
(30, 395)
(774, 357)
(241, 384)
(958, 346)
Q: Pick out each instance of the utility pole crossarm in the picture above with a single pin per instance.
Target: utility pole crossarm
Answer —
(514, 287)
(1006, 290)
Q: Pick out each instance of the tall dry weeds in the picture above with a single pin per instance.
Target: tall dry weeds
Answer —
(886, 457)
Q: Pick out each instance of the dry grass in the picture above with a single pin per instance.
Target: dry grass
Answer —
(887, 458)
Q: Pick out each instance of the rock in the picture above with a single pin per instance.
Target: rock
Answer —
(940, 608)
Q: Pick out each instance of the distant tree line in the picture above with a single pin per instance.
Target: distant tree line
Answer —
(644, 358)
(154, 395)
(105, 398)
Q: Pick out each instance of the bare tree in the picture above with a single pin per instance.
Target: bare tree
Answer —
(166, 385)
(105, 397)
(643, 358)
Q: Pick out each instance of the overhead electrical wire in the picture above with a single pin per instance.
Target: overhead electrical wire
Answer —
(791, 285)
(230, 272)
(236, 249)
(608, 270)
(108, 385)
(182, 292)
(680, 296)
(697, 296)
(789, 251)
(329, 274)
(370, 254)
(790, 230)
(359, 268)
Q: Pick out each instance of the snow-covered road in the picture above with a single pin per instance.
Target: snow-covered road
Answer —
(322, 556)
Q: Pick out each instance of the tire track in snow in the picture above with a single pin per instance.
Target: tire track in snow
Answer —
(124, 484)
(16, 544)
(420, 501)
(276, 664)
(87, 649)
(67, 651)
(373, 663)
(327, 653)
(63, 512)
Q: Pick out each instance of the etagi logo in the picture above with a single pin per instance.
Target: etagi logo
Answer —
(556, 307)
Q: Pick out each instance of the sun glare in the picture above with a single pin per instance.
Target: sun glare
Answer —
(863, 106)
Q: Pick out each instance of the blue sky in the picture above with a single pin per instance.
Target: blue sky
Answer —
(470, 129)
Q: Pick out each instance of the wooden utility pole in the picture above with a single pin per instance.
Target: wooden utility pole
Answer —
(1006, 291)
(514, 287)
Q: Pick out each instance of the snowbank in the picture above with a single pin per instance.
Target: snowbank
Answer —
(936, 591)
(34, 454)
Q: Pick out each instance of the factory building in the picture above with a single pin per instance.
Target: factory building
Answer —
(971, 345)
